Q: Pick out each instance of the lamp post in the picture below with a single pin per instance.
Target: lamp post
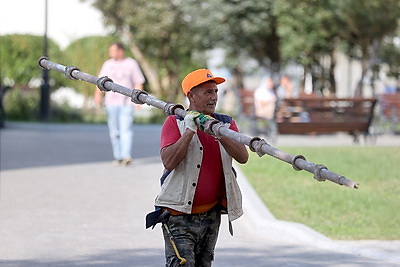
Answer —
(45, 87)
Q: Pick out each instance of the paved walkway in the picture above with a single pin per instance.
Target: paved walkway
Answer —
(91, 213)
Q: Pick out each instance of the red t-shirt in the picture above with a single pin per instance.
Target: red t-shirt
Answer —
(211, 182)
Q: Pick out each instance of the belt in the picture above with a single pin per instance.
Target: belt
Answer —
(201, 214)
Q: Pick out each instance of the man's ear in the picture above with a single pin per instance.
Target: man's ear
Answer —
(190, 95)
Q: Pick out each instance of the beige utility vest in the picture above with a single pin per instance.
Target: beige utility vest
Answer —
(178, 189)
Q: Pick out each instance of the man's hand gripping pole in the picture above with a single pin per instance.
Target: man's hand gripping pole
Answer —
(210, 125)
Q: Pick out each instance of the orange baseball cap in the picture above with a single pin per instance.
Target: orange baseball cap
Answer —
(198, 77)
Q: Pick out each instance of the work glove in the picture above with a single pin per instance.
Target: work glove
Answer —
(203, 118)
(190, 118)
(214, 129)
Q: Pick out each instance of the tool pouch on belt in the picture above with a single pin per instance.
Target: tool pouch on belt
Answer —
(157, 216)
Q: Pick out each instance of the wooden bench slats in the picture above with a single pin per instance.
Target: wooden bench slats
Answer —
(311, 114)
(321, 127)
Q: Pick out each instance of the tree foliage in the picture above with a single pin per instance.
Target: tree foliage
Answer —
(169, 33)
(88, 54)
(309, 31)
(159, 37)
(19, 57)
(244, 29)
(365, 25)
(390, 55)
(240, 27)
(19, 69)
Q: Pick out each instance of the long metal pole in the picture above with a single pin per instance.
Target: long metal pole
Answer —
(256, 144)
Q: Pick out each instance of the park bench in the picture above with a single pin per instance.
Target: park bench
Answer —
(324, 115)
(318, 115)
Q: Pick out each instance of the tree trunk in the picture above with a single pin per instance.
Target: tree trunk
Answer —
(148, 70)
(332, 80)
(170, 86)
(358, 92)
(367, 63)
(238, 85)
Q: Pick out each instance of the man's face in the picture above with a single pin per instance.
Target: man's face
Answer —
(204, 97)
(114, 52)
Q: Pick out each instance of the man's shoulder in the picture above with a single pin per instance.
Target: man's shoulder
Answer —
(172, 119)
(222, 117)
(130, 60)
(108, 62)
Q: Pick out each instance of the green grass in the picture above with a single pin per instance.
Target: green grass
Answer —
(370, 212)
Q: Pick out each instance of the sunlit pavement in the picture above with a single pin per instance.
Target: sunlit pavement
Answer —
(83, 211)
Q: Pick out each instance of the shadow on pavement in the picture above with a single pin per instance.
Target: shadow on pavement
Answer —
(153, 257)
(24, 145)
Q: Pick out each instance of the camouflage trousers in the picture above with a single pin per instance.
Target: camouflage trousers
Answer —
(195, 237)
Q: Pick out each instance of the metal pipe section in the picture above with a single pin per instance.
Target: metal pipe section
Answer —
(256, 144)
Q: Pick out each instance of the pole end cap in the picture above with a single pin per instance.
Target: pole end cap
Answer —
(40, 62)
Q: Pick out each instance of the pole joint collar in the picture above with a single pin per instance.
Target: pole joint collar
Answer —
(317, 172)
(294, 162)
(68, 72)
(170, 108)
(212, 128)
(251, 145)
(258, 146)
(135, 96)
(101, 83)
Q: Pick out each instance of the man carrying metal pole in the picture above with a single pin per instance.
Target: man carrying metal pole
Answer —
(180, 186)
(199, 182)
(208, 124)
